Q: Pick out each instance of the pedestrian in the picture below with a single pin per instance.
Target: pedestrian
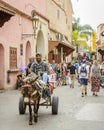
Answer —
(72, 73)
(83, 76)
(102, 78)
(95, 77)
(79, 62)
(102, 66)
(52, 77)
(23, 69)
(76, 65)
(31, 60)
(88, 65)
(54, 65)
(73, 60)
(19, 81)
(58, 74)
(63, 73)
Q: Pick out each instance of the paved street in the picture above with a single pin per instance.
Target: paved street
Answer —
(75, 112)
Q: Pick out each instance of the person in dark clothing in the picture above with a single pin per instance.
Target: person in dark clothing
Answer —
(31, 60)
(19, 81)
(72, 72)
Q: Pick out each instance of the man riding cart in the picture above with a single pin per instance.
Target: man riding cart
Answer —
(39, 67)
(36, 86)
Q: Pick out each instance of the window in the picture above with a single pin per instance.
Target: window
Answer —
(13, 58)
(21, 49)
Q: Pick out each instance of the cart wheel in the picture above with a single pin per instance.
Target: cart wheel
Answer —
(22, 106)
(55, 101)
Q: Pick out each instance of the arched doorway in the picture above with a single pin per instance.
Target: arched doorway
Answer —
(2, 67)
(40, 43)
(28, 52)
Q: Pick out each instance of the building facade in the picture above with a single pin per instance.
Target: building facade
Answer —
(23, 31)
(100, 42)
(30, 27)
(60, 29)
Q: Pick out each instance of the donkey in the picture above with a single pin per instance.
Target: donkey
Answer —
(31, 98)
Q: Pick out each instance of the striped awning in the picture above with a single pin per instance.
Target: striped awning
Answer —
(7, 10)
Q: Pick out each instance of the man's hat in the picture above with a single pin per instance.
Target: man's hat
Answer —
(38, 53)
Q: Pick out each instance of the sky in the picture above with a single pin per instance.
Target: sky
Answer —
(89, 11)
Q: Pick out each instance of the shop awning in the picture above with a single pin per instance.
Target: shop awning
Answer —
(5, 14)
(67, 48)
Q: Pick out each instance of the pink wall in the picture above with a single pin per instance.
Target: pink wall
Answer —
(10, 36)
(12, 30)
(1, 66)
(28, 5)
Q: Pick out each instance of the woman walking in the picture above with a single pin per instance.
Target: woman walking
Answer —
(95, 78)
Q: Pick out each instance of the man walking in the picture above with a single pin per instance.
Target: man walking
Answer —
(83, 76)
(72, 73)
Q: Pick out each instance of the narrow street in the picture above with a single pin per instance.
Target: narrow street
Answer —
(75, 112)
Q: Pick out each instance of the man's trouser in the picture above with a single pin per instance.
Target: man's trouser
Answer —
(73, 78)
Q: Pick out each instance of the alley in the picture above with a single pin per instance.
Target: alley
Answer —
(75, 112)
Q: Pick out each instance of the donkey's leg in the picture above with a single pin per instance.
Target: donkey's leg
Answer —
(30, 114)
(35, 112)
(36, 107)
(38, 104)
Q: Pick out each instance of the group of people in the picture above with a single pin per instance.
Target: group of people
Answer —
(85, 71)
(66, 74)
(92, 73)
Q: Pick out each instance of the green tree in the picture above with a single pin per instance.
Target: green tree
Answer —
(80, 33)
(86, 29)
